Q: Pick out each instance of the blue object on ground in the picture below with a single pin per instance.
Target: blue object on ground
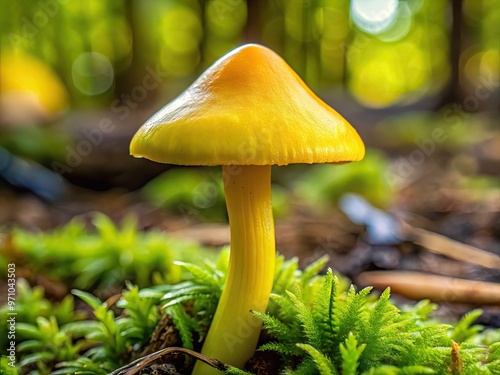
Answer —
(31, 176)
(381, 227)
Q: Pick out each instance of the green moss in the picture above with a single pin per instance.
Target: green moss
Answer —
(321, 185)
(316, 322)
(100, 257)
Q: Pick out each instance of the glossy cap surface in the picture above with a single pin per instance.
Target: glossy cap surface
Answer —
(248, 108)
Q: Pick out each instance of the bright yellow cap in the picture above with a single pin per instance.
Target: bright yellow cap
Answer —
(249, 108)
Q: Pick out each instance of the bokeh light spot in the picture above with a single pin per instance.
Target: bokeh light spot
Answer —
(400, 28)
(92, 73)
(488, 67)
(374, 16)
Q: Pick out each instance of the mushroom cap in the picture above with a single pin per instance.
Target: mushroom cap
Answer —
(248, 108)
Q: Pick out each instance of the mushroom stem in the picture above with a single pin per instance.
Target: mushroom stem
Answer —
(234, 332)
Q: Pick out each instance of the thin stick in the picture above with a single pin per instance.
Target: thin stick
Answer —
(417, 286)
(443, 245)
(139, 364)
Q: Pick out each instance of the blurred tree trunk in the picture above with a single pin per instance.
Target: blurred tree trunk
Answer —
(254, 25)
(132, 75)
(453, 94)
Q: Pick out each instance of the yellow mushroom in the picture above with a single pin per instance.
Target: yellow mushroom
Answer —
(30, 91)
(248, 111)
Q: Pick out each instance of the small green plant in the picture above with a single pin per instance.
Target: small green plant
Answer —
(198, 194)
(203, 290)
(6, 368)
(45, 331)
(348, 333)
(102, 258)
(32, 306)
(43, 144)
(464, 330)
(117, 336)
(46, 343)
(321, 188)
(95, 346)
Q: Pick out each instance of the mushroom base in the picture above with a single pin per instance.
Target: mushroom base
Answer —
(234, 332)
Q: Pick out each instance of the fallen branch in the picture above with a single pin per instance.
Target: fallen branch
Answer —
(417, 286)
(443, 245)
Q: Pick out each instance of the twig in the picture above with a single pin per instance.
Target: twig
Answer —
(139, 364)
(417, 286)
(443, 245)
